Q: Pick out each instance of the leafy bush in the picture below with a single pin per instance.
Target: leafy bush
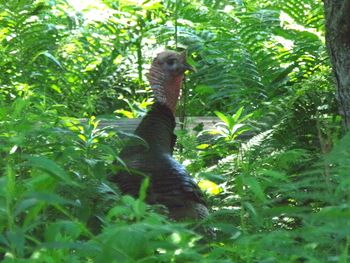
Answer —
(278, 193)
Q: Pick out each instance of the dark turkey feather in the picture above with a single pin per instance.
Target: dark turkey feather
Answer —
(170, 184)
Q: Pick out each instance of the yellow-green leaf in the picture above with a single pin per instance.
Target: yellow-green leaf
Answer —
(210, 187)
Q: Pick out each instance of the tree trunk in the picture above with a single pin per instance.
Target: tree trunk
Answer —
(337, 14)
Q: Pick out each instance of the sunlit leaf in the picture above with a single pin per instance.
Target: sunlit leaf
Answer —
(222, 117)
(210, 187)
(203, 146)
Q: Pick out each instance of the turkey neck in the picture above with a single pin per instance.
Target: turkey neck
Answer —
(166, 88)
(157, 129)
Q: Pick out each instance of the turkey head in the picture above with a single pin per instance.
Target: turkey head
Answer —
(166, 75)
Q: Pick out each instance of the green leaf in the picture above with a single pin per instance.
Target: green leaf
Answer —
(32, 199)
(50, 167)
(66, 228)
(204, 90)
(18, 106)
(255, 187)
(50, 57)
(236, 127)
(238, 114)
(250, 208)
(222, 117)
(16, 240)
(203, 146)
(143, 189)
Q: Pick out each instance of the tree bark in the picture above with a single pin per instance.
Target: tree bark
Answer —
(337, 15)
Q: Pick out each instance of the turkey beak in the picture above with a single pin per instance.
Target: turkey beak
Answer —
(187, 66)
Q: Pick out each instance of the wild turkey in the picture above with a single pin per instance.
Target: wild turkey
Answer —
(170, 184)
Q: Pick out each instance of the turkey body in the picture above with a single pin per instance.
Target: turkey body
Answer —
(170, 184)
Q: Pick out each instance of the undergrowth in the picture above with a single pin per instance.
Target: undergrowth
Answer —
(275, 168)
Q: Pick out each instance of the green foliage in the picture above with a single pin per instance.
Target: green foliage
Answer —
(279, 192)
(231, 126)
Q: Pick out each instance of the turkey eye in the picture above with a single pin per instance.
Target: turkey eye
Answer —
(171, 62)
